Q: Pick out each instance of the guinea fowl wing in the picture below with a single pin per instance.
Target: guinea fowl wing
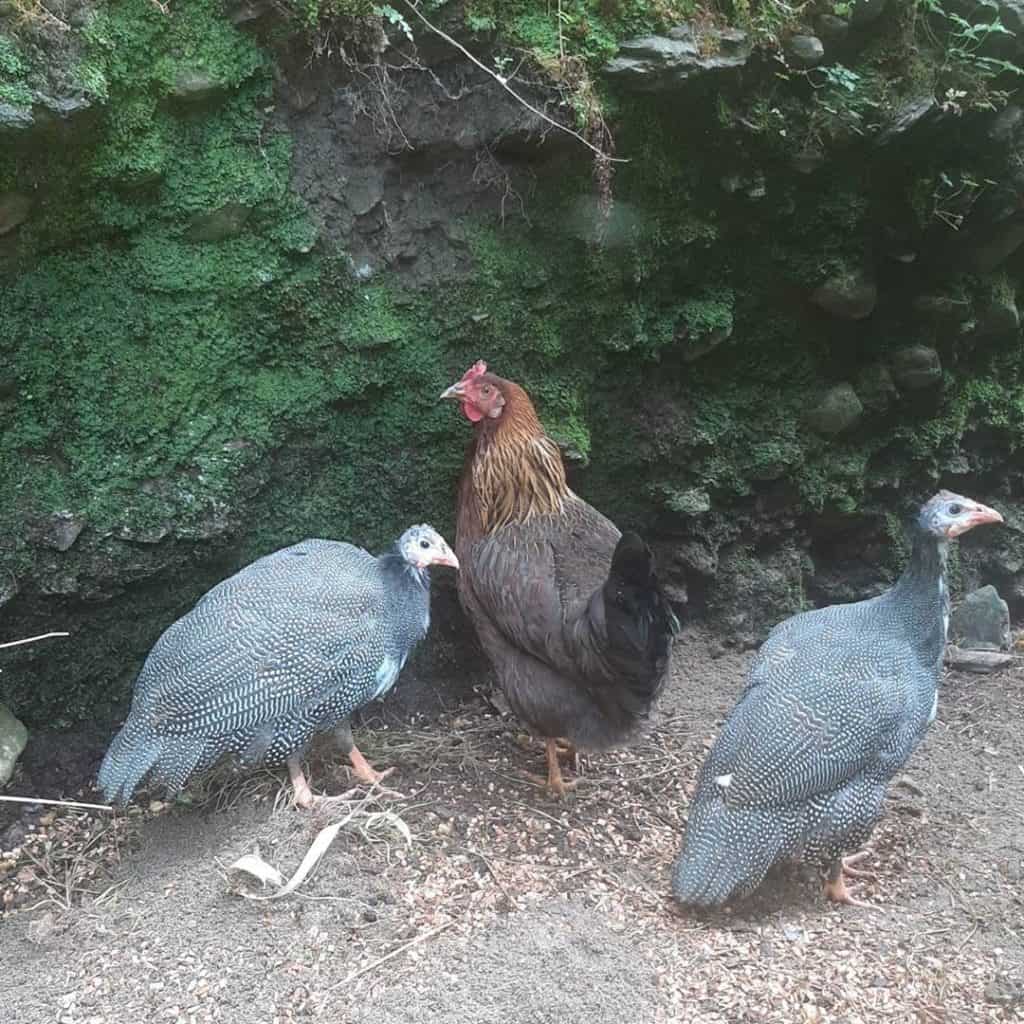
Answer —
(817, 712)
(273, 641)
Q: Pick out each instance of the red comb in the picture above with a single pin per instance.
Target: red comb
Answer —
(475, 370)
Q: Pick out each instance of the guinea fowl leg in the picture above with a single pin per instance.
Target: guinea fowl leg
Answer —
(835, 884)
(303, 794)
(364, 771)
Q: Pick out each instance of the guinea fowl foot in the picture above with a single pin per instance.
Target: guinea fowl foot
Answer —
(366, 773)
(835, 885)
(302, 795)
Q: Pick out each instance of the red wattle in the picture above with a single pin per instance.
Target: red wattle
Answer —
(471, 412)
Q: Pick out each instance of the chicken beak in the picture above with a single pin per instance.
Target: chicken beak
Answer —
(455, 391)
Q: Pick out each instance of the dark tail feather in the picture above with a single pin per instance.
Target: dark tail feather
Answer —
(131, 754)
(640, 620)
(727, 852)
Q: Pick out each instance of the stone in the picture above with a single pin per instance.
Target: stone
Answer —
(864, 12)
(194, 85)
(875, 387)
(838, 410)
(999, 319)
(832, 29)
(910, 114)
(60, 531)
(999, 243)
(661, 63)
(851, 295)
(981, 622)
(805, 51)
(942, 307)
(979, 662)
(15, 117)
(13, 737)
(916, 367)
(14, 210)
(697, 556)
(226, 222)
(1006, 123)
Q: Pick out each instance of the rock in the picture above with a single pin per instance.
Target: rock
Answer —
(1006, 123)
(911, 114)
(982, 621)
(942, 307)
(998, 320)
(875, 386)
(659, 63)
(697, 556)
(14, 210)
(851, 295)
(63, 107)
(805, 51)
(838, 410)
(832, 29)
(194, 85)
(60, 531)
(916, 367)
(864, 12)
(225, 222)
(15, 118)
(980, 662)
(999, 243)
(13, 737)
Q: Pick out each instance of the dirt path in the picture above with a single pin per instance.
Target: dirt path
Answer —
(511, 908)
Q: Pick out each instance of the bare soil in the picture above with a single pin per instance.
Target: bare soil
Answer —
(509, 907)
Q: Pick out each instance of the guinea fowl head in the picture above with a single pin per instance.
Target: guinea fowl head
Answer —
(422, 546)
(948, 515)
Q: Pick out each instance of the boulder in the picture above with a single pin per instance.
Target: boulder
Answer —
(916, 367)
(664, 63)
(13, 737)
(832, 29)
(982, 621)
(805, 51)
(981, 662)
(851, 295)
(838, 410)
(875, 386)
(996, 245)
(59, 531)
(908, 117)
(864, 12)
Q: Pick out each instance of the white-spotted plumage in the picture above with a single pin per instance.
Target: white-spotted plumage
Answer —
(835, 702)
(289, 646)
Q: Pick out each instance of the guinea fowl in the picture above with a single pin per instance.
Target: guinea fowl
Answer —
(835, 703)
(288, 647)
(569, 611)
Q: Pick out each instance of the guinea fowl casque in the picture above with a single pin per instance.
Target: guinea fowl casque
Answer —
(835, 703)
(569, 611)
(288, 647)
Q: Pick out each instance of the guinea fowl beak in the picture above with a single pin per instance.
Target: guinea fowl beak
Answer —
(447, 557)
(979, 515)
(455, 391)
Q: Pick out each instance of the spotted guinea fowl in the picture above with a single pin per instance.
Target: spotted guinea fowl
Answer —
(288, 647)
(835, 703)
(569, 611)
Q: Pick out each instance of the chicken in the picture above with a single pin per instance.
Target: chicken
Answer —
(569, 611)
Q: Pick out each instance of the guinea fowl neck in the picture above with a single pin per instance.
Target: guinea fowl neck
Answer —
(922, 597)
(402, 573)
(927, 563)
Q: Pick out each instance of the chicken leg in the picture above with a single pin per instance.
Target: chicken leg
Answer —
(835, 884)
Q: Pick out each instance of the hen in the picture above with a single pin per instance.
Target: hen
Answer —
(835, 703)
(569, 611)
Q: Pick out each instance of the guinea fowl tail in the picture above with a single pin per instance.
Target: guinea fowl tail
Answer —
(728, 850)
(131, 754)
(640, 621)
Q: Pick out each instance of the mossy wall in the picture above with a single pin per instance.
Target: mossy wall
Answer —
(194, 372)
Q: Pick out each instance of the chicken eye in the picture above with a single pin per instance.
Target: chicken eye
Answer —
(424, 544)
(955, 509)
(486, 389)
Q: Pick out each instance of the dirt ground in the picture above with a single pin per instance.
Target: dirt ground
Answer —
(478, 899)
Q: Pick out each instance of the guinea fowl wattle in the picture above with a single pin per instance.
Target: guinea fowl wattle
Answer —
(835, 703)
(288, 647)
(569, 611)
